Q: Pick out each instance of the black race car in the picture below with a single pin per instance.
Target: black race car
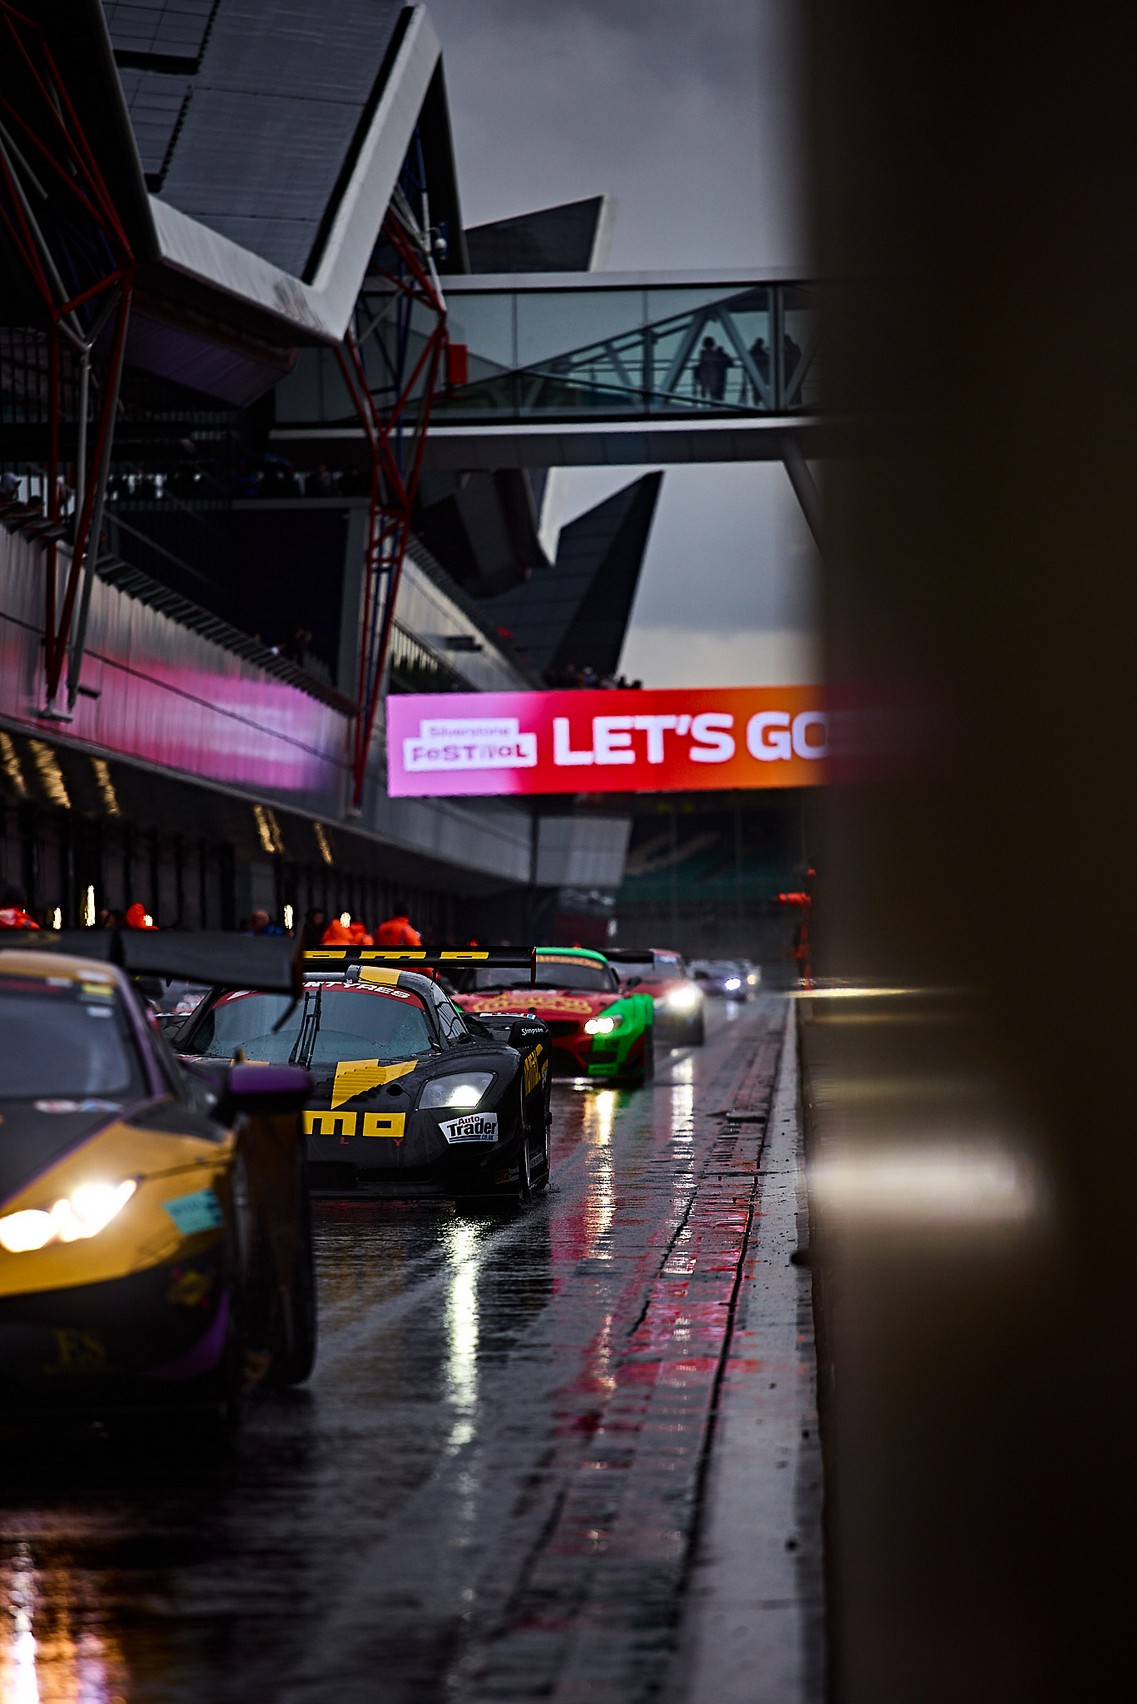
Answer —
(409, 1092)
(155, 1235)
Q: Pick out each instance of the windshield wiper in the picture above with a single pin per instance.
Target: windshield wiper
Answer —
(305, 1042)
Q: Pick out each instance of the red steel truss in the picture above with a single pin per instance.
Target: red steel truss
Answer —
(61, 221)
(395, 423)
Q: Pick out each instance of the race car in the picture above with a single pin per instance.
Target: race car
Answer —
(596, 1029)
(679, 1017)
(734, 979)
(409, 1093)
(155, 1235)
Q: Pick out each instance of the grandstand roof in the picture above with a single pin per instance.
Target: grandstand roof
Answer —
(252, 147)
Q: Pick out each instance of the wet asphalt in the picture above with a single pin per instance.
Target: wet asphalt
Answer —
(492, 1487)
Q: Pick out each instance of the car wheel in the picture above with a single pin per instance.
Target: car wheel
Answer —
(649, 1055)
(220, 1403)
(543, 1171)
(295, 1364)
(698, 1033)
(522, 1191)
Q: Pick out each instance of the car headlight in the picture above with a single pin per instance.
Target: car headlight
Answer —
(684, 999)
(752, 979)
(464, 1089)
(84, 1213)
(732, 982)
(603, 1025)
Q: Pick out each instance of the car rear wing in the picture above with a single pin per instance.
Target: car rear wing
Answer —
(426, 959)
(628, 955)
(268, 962)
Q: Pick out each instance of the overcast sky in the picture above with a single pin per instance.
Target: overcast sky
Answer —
(685, 111)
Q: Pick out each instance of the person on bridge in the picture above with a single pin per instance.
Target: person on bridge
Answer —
(397, 931)
(711, 369)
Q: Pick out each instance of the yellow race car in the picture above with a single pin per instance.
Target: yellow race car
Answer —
(155, 1234)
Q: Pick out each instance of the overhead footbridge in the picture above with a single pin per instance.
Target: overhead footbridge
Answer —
(574, 369)
(602, 369)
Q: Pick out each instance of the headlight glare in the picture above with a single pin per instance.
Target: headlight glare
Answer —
(463, 1089)
(84, 1213)
(685, 998)
(603, 1025)
(732, 982)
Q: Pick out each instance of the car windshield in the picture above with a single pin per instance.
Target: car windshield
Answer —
(340, 1023)
(643, 968)
(551, 973)
(65, 1040)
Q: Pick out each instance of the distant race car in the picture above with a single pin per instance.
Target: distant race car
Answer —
(679, 1017)
(597, 1030)
(408, 1092)
(736, 979)
(155, 1234)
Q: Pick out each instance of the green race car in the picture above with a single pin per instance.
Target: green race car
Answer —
(597, 1030)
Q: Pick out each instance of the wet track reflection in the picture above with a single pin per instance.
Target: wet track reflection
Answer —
(490, 1486)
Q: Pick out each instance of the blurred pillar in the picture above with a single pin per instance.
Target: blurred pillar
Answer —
(974, 1151)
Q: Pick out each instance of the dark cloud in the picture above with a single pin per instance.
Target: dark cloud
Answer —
(686, 112)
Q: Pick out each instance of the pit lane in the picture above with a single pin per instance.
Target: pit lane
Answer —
(499, 1483)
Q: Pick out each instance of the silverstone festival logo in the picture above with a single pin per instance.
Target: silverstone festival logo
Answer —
(474, 742)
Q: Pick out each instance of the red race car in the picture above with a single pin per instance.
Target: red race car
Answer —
(598, 1029)
(658, 971)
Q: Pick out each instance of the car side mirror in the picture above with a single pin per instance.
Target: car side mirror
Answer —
(257, 1089)
(633, 981)
(700, 976)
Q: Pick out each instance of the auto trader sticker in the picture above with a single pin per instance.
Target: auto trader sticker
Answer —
(475, 1127)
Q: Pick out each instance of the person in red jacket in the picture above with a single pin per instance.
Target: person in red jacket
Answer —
(397, 932)
(13, 910)
(136, 917)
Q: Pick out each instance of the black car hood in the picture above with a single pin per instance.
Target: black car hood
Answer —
(32, 1139)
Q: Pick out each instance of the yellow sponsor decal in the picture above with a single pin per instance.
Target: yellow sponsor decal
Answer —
(388, 1124)
(330, 1123)
(526, 999)
(391, 1125)
(532, 1070)
(189, 1288)
(379, 975)
(77, 1351)
(359, 1076)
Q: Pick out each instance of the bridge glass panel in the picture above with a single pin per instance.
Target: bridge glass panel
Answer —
(619, 352)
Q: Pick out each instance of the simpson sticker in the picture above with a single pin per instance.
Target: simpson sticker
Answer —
(476, 1127)
(200, 1211)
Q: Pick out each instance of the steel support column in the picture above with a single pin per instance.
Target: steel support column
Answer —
(395, 417)
(62, 225)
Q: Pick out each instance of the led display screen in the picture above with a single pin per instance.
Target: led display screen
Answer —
(674, 740)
